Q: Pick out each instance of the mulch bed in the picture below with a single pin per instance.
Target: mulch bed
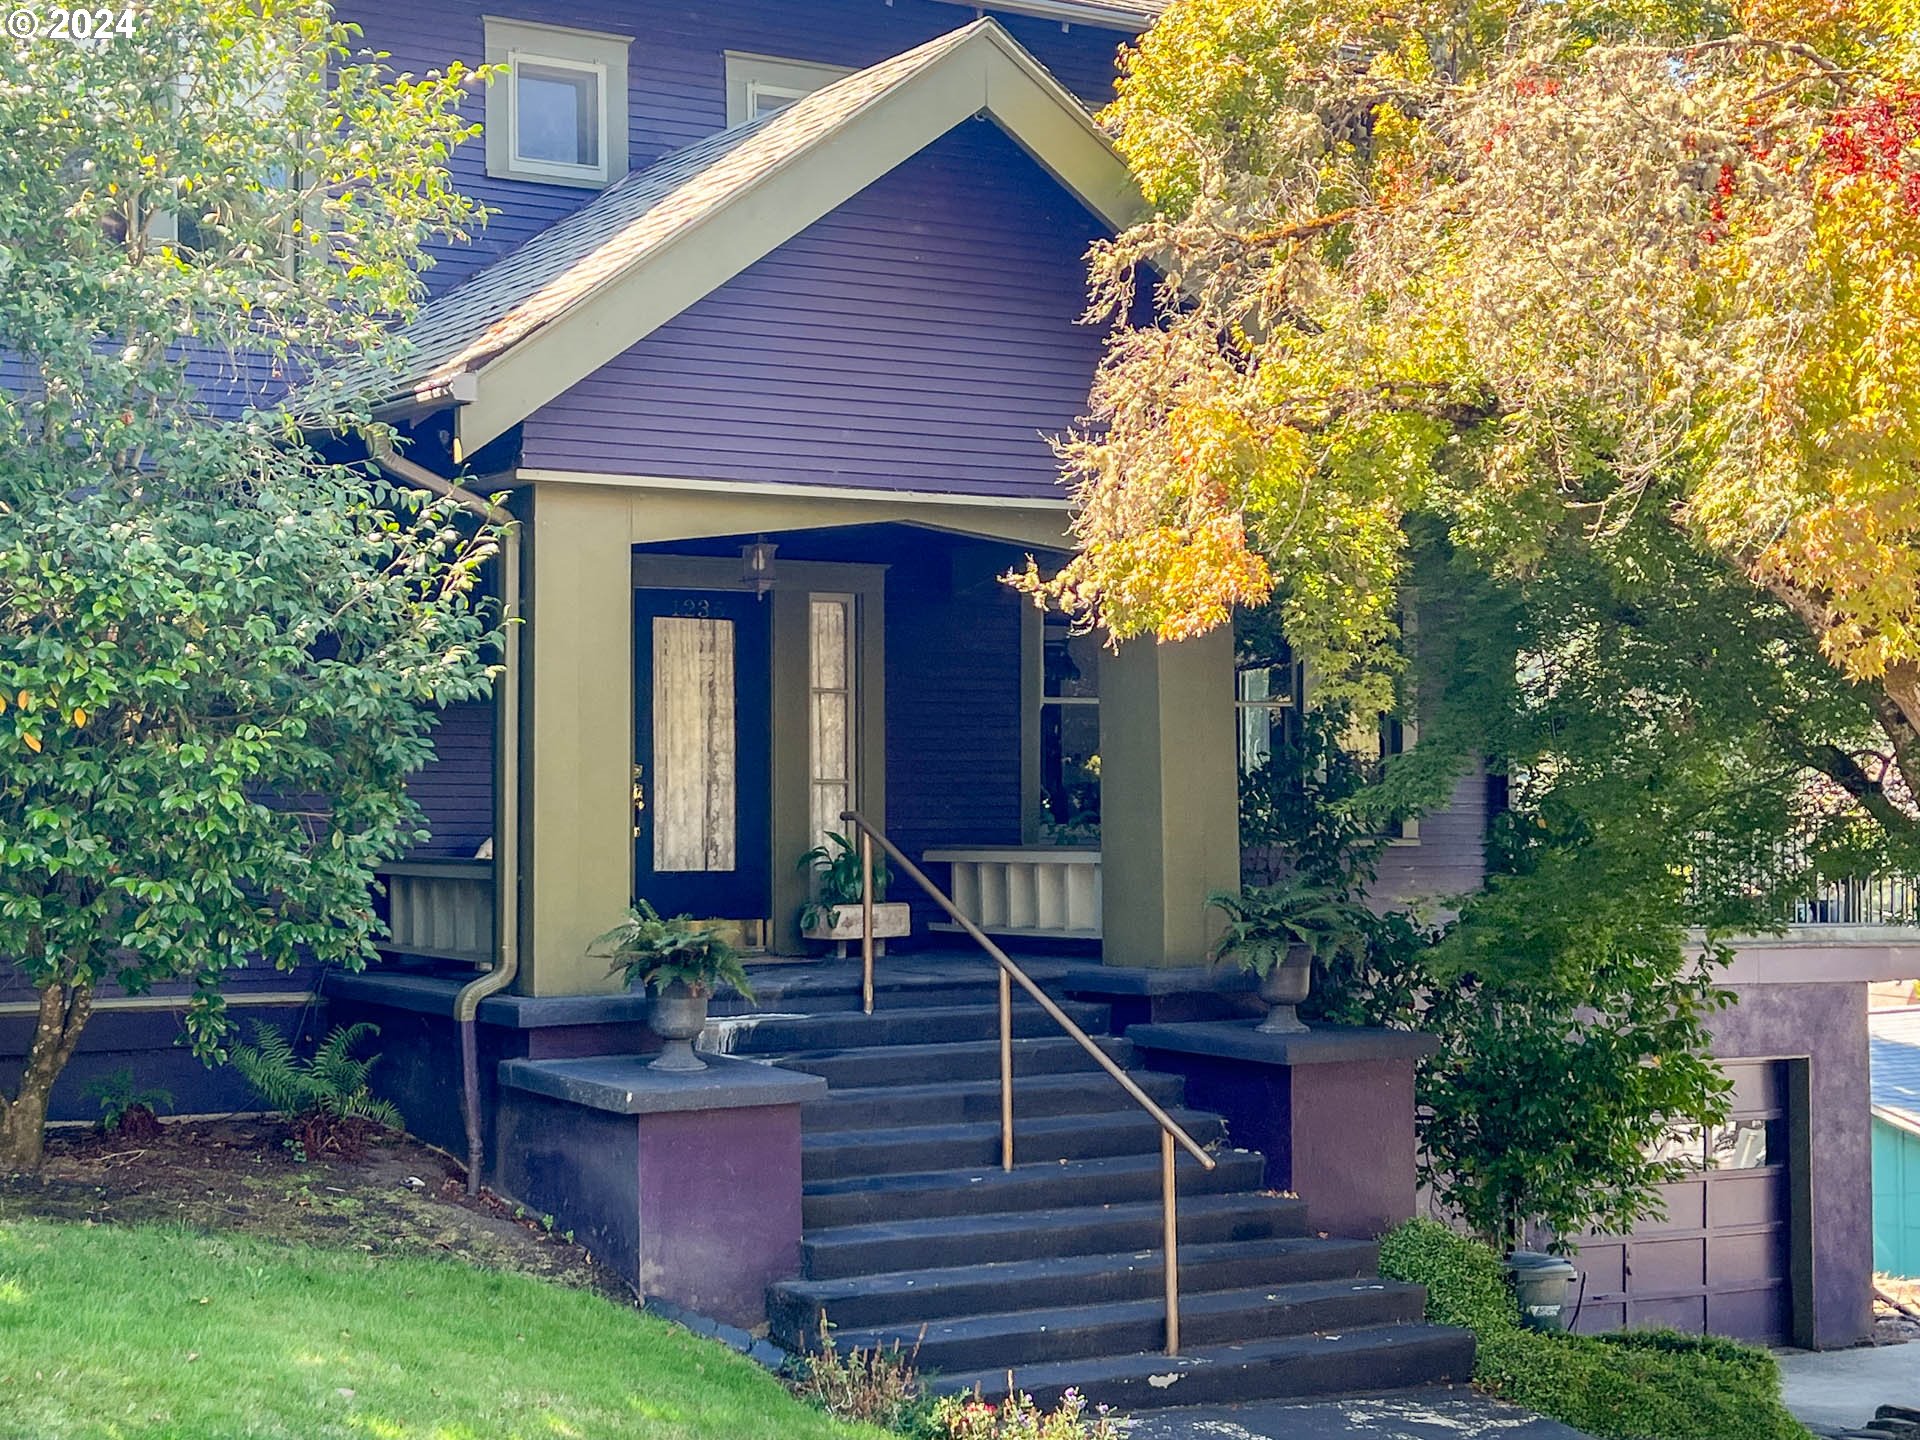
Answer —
(396, 1196)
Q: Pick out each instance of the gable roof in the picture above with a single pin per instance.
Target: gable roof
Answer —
(592, 285)
(1894, 1041)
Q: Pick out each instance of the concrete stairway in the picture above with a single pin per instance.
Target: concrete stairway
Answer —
(914, 1235)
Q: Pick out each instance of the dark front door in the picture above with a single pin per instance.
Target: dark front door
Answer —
(702, 753)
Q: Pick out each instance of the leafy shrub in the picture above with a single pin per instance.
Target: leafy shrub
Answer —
(1641, 1385)
(966, 1417)
(1466, 1284)
(876, 1386)
(126, 1109)
(326, 1097)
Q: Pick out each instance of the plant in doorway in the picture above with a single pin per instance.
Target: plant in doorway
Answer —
(1278, 931)
(835, 913)
(681, 962)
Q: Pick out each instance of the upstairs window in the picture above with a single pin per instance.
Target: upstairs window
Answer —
(559, 114)
(759, 85)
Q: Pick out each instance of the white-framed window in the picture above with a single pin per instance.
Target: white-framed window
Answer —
(1268, 693)
(256, 81)
(1272, 693)
(758, 85)
(559, 114)
(832, 721)
(1069, 730)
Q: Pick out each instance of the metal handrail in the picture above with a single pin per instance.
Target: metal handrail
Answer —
(1010, 974)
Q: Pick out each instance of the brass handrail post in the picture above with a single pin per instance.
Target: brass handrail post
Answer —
(1010, 973)
(866, 918)
(1006, 1071)
(1170, 1224)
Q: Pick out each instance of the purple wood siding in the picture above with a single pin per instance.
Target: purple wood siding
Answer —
(455, 788)
(676, 73)
(1450, 856)
(953, 718)
(924, 336)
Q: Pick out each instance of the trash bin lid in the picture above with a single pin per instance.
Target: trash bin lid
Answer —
(1539, 1263)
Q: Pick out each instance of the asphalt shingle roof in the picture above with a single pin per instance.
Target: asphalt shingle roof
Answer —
(1894, 1041)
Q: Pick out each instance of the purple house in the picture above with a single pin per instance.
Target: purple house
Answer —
(764, 346)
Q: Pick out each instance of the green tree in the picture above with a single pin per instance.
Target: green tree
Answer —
(1543, 272)
(1591, 327)
(218, 640)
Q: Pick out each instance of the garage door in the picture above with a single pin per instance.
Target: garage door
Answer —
(1719, 1260)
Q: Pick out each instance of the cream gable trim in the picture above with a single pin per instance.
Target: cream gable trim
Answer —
(665, 509)
(986, 72)
(790, 490)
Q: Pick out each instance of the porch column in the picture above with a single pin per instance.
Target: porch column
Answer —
(1169, 797)
(577, 738)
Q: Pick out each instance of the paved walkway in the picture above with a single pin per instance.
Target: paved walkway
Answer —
(1838, 1389)
(1428, 1415)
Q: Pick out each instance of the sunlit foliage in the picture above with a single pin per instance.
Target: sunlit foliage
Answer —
(1534, 269)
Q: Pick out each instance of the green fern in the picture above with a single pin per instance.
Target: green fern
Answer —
(333, 1082)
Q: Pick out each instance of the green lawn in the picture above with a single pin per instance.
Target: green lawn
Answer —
(139, 1334)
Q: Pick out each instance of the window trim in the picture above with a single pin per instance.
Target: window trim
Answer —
(554, 169)
(750, 75)
(510, 43)
(757, 87)
(849, 603)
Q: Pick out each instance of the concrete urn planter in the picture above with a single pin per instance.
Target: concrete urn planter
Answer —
(1282, 988)
(892, 919)
(678, 1016)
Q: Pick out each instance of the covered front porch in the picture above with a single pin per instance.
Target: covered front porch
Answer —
(875, 661)
(691, 728)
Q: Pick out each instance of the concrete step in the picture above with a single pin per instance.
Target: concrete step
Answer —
(951, 1061)
(953, 1102)
(906, 1299)
(894, 986)
(977, 1190)
(916, 1148)
(1036, 1234)
(1351, 1362)
(777, 1034)
(1219, 1317)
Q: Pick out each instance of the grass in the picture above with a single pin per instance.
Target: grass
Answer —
(1640, 1385)
(165, 1334)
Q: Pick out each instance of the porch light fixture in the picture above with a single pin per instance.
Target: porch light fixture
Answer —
(756, 566)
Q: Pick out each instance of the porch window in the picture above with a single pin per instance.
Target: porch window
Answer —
(831, 713)
(1267, 699)
(1069, 729)
(559, 115)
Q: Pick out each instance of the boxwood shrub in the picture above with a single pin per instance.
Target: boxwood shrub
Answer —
(1637, 1385)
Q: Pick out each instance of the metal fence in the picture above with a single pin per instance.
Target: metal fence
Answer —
(1784, 882)
(1875, 900)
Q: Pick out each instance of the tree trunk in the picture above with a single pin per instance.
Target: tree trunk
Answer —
(23, 1118)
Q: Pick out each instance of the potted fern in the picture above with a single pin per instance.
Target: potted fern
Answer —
(834, 913)
(1277, 932)
(682, 963)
